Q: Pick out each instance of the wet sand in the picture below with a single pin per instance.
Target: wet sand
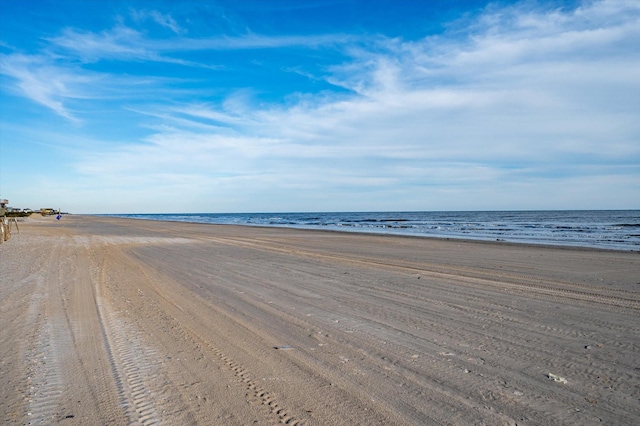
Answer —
(117, 321)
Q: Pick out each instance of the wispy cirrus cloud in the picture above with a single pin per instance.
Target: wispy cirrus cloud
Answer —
(69, 90)
(45, 83)
(125, 43)
(120, 43)
(162, 19)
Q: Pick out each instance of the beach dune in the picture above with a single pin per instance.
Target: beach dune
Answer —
(120, 321)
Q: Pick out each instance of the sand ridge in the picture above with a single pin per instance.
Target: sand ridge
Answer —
(117, 321)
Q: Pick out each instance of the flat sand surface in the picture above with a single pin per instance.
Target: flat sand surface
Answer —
(108, 321)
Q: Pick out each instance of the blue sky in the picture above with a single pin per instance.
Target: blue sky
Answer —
(319, 105)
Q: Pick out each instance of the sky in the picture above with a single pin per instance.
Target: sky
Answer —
(319, 105)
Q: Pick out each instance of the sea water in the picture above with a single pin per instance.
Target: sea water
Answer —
(606, 229)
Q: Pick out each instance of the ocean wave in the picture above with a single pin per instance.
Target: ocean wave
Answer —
(602, 229)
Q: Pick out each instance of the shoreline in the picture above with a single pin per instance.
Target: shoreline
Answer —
(114, 320)
(392, 234)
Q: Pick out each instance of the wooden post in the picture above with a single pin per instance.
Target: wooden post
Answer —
(6, 231)
(15, 220)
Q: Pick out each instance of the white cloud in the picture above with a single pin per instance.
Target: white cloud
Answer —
(70, 91)
(121, 42)
(164, 20)
(124, 43)
(43, 82)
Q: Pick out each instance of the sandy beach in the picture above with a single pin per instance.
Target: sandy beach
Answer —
(109, 321)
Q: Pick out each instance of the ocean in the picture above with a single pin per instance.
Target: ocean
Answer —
(604, 229)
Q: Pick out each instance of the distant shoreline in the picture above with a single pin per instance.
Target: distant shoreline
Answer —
(578, 234)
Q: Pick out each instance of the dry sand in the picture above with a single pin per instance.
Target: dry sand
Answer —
(115, 321)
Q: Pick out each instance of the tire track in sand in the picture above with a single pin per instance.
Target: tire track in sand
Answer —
(145, 391)
(532, 286)
(255, 393)
(45, 379)
(130, 362)
(131, 370)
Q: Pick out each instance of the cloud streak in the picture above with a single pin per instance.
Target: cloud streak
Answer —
(164, 20)
(44, 83)
(125, 43)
